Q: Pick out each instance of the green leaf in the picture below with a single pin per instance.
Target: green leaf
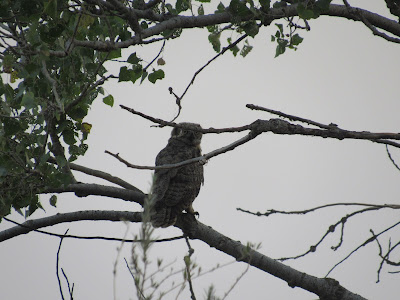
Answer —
(144, 25)
(114, 54)
(304, 13)
(109, 100)
(53, 200)
(61, 161)
(200, 10)
(280, 26)
(28, 100)
(143, 76)
(137, 73)
(124, 74)
(182, 5)
(69, 136)
(323, 5)
(215, 42)
(246, 50)
(234, 49)
(50, 8)
(204, 1)
(280, 48)
(133, 59)
(156, 75)
(238, 8)
(296, 40)
(220, 8)
(251, 28)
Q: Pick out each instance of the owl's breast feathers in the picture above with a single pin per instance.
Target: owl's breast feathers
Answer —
(175, 189)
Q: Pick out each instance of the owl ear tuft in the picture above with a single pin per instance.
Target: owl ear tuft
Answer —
(175, 131)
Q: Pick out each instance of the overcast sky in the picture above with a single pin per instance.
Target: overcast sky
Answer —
(341, 73)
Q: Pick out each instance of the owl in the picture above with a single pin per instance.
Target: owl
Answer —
(175, 189)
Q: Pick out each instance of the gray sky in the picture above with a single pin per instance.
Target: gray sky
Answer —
(341, 74)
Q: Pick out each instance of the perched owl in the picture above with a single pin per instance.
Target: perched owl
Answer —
(175, 189)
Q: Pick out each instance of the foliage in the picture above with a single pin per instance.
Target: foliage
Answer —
(54, 56)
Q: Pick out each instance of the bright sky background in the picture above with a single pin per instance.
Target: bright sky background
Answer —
(340, 74)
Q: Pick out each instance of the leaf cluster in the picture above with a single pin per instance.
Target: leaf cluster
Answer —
(54, 55)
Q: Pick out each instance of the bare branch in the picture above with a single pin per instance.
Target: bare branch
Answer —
(391, 159)
(230, 46)
(154, 59)
(89, 215)
(358, 13)
(371, 239)
(70, 290)
(305, 211)
(58, 268)
(104, 175)
(86, 189)
(324, 287)
(201, 159)
(188, 271)
(104, 238)
(290, 117)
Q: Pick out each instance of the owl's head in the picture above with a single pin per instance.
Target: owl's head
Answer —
(186, 135)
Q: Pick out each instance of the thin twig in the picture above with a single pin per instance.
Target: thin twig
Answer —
(159, 53)
(391, 159)
(290, 117)
(163, 123)
(119, 250)
(57, 266)
(202, 159)
(371, 239)
(230, 46)
(305, 211)
(330, 230)
(236, 282)
(187, 264)
(70, 290)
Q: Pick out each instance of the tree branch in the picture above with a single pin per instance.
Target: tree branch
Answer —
(87, 189)
(326, 288)
(90, 215)
(104, 175)
(168, 22)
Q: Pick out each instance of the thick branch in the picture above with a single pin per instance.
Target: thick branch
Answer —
(95, 215)
(326, 288)
(85, 189)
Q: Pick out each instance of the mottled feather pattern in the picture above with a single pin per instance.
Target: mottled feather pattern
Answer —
(175, 189)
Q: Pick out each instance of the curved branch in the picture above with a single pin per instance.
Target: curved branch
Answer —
(95, 215)
(105, 176)
(86, 189)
